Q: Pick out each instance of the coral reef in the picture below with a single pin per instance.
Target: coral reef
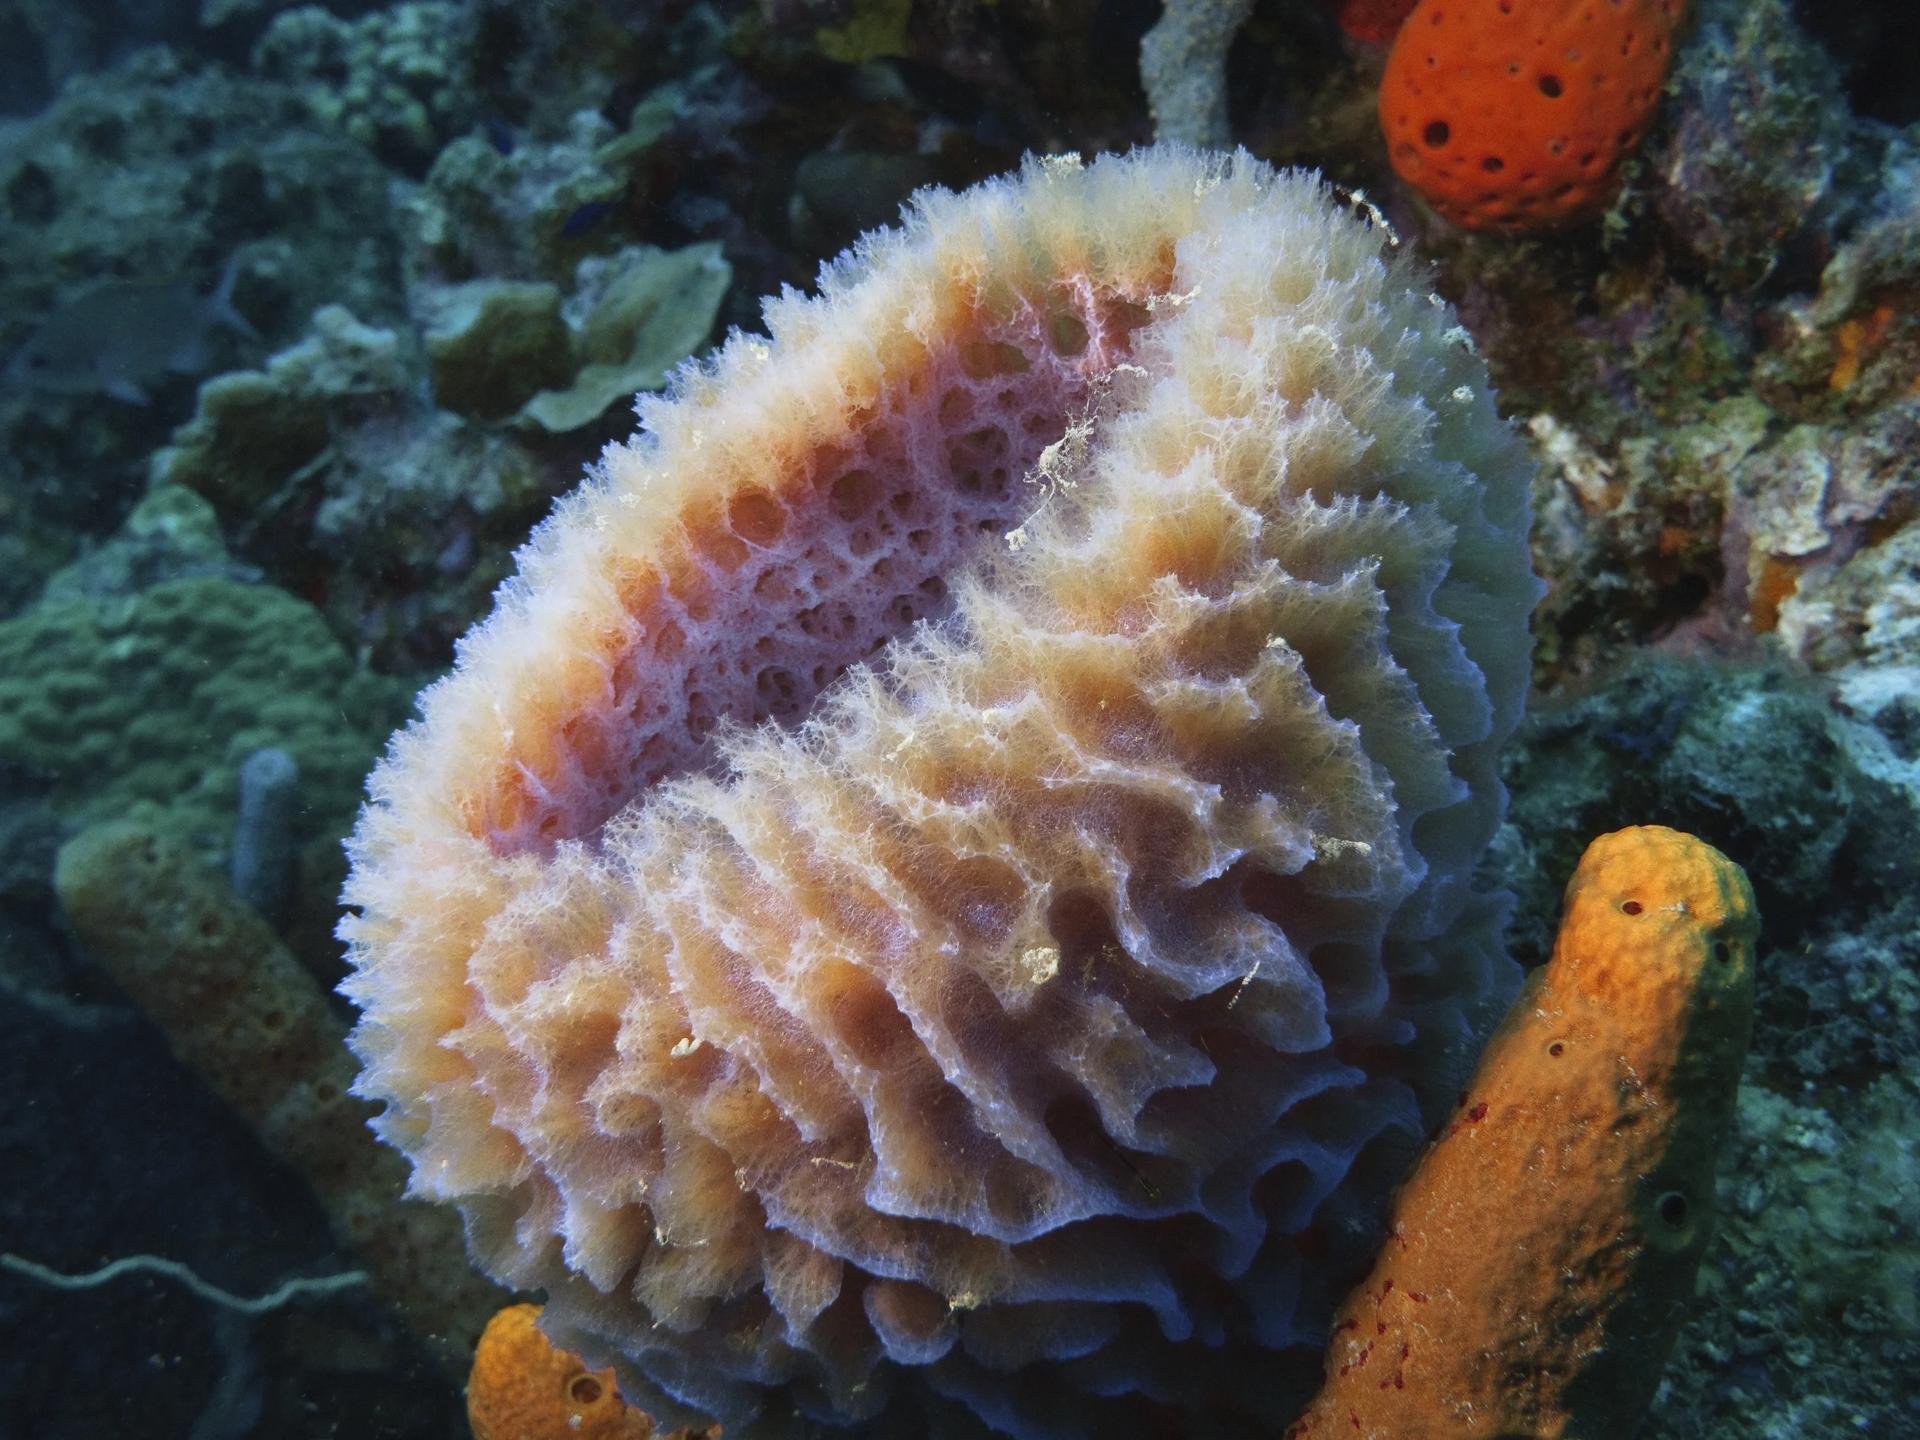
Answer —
(1517, 117)
(487, 213)
(336, 474)
(1539, 1258)
(492, 345)
(636, 315)
(139, 175)
(432, 219)
(331, 472)
(1751, 760)
(1756, 136)
(397, 80)
(253, 431)
(1806, 1311)
(111, 700)
(1734, 525)
(1051, 72)
(158, 173)
(985, 1031)
(50, 46)
(1724, 407)
(171, 534)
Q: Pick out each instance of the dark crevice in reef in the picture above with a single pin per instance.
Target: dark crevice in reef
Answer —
(1878, 50)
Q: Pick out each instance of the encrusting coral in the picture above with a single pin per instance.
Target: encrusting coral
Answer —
(1539, 1260)
(966, 1023)
(1517, 114)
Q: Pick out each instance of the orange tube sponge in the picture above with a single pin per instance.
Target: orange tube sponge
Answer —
(1516, 114)
(523, 1388)
(959, 839)
(1540, 1258)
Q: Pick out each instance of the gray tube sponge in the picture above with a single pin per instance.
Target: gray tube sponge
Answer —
(1183, 69)
(948, 870)
(260, 866)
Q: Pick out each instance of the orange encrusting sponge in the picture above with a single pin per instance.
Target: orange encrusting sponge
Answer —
(523, 1387)
(1540, 1258)
(1517, 114)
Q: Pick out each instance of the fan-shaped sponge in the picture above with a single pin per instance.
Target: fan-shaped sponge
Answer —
(956, 844)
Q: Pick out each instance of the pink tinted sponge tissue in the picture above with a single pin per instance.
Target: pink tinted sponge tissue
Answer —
(942, 889)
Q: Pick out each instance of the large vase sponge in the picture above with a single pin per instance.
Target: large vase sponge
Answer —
(956, 845)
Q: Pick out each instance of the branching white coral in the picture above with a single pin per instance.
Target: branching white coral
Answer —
(861, 967)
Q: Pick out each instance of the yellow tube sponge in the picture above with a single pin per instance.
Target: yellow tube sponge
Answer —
(957, 842)
(245, 1016)
(1540, 1259)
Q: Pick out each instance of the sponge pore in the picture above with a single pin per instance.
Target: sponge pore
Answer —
(941, 895)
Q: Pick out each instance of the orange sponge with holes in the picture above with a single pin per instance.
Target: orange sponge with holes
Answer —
(1516, 114)
(1539, 1260)
(525, 1388)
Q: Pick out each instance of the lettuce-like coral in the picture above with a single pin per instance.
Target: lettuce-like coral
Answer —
(936, 888)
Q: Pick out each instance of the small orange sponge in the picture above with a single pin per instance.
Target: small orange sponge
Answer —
(1516, 114)
(524, 1388)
